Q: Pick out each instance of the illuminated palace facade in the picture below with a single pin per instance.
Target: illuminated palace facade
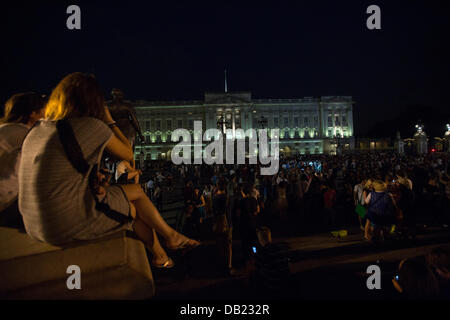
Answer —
(306, 126)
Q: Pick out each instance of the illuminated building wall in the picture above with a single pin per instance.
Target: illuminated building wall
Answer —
(307, 126)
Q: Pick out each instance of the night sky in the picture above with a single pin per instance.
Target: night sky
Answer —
(177, 51)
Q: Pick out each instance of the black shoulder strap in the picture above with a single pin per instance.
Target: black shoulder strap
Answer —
(75, 156)
(71, 146)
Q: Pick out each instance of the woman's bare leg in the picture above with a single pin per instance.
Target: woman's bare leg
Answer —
(367, 230)
(149, 215)
(361, 223)
(149, 237)
(229, 254)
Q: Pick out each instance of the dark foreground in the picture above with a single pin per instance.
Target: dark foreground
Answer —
(323, 267)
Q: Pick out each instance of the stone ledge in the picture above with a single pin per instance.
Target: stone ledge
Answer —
(115, 267)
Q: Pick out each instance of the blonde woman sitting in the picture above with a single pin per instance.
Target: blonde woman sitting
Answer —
(60, 197)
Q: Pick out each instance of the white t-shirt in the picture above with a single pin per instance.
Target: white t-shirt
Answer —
(11, 139)
(121, 169)
(359, 190)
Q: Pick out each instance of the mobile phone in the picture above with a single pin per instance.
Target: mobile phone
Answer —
(254, 249)
(396, 277)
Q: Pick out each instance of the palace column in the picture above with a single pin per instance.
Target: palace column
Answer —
(350, 120)
(333, 118)
(233, 121)
(321, 124)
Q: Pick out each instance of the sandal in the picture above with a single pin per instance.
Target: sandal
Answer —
(185, 246)
(169, 264)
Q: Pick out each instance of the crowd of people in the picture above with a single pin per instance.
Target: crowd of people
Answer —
(57, 177)
(385, 195)
(376, 190)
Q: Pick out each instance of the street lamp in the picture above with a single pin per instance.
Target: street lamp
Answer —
(419, 128)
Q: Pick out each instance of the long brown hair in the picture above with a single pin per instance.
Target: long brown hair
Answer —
(77, 95)
(20, 106)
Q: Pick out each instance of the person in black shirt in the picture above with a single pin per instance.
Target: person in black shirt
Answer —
(248, 212)
(223, 229)
(271, 273)
(406, 205)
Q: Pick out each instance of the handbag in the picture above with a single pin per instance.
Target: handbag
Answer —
(361, 210)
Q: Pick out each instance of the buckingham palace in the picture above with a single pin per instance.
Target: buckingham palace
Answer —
(306, 126)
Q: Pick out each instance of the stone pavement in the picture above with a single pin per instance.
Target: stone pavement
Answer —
(324, 267)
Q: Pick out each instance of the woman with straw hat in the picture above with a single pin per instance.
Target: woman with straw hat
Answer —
(380, 211)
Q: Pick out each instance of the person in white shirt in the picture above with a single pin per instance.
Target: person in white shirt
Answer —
(125, 172)
(160, 177)
(21, 112)
(151, 187)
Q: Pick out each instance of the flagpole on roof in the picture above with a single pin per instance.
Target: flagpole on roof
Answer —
(226, 85)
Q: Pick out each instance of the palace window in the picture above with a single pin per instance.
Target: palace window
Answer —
(275, 122)
(237, 120)
(180, 123)
(296, 121)
(147, 125)
(158, 125)
(286, 122)
(306, 122)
